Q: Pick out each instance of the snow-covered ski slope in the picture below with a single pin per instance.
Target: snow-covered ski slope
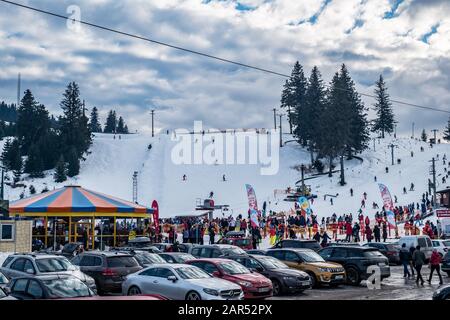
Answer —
(110, 166)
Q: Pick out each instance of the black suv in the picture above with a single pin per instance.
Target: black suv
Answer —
(108, 268)
(297, 244)
(283, 278)
(356, 260)
(216, 251)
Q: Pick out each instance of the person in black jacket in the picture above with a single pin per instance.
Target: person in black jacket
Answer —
(377, 233)
(405, 258)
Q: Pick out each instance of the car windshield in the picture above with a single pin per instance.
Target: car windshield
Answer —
(242, 242)
(2, 294)
(67, 288)
(192, 273)
(54, 265)
(122, 262)
(233, 251)
(185, 257)
(272, 263)
(373, 253)
(446, 243)
(234, 268)
(149, 258)
(310, 257)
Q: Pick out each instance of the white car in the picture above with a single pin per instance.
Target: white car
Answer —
(442, 246)
(180, 282)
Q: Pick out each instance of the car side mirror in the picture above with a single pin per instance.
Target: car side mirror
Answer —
(172, 278)
(29, 271)
(216, 274)
(259, 269)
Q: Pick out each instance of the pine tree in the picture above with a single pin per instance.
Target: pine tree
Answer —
(74, 123)
(60, 171)
(111, 123)
(126, 131)
(424, 136)
(94, 124)
(16, 162)
(5, 157)
(34, 165)
(121, 126)
(293, 96)
(447, 131)
(32, 189)
(314, 107)
(73, 163)
(383, 107)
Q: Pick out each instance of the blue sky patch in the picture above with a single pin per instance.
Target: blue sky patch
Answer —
(393, 12)
(427, 35)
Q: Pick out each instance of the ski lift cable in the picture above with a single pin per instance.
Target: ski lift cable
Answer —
(191, 51)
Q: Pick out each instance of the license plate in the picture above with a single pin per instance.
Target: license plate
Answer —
(381, 264)
(305, 283)
(339, 277)
(263, 289)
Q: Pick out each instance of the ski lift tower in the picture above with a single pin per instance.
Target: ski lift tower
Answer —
(135, 187)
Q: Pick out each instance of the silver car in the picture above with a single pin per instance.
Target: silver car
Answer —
(180, 282)
(22, 265)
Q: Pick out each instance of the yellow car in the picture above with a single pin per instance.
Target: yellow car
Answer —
(320, 271)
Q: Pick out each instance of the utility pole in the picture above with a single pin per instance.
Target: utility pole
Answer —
(434, 131)
(302, 167)
(413, 130)
(153, 122)
(281, 131)
(392, 146)
(135, 199)
(395, 130)
(433, 173)
(275, 118)
(2, 190)
(342, 182)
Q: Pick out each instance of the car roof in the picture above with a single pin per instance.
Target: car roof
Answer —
(173, 253)
(213, 260)
(45, 277)
(292, 249)
(36, 256)
(298, 240)
(365, 248)
(107, 253)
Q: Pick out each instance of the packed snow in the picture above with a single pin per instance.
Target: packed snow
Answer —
(112, 161)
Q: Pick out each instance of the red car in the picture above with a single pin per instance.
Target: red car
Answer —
(254, 285)
(237, 239)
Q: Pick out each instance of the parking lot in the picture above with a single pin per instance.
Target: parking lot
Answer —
(393, 288)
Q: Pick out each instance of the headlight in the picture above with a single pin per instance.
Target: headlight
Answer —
(211, 292)
(245, 283)
(324, 269)
(289, 278)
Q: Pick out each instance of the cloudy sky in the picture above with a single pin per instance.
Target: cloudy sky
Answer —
(405, 40)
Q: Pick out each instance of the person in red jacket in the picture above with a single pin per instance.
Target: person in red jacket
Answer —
(435, 264)
(348, 231)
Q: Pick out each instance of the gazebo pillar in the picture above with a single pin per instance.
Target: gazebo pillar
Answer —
(115, 230)
(46, 230)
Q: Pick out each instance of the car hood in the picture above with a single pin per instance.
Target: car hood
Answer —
(76, 273)
(214, 283)
(289, 272)
(325, 264)
(254, 278)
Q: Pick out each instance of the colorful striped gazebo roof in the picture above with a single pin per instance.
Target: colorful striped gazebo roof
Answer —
(75, 199)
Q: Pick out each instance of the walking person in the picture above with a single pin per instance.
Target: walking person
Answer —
(411, 263)
(377, 233)
(404, 259)
(418, 258)
(435, 264)
(385, 233)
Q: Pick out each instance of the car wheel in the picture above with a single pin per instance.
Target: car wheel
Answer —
(353, 277)
(312, 276)
(277, 289)
(192, 295)
(133, 291)
(99, 289)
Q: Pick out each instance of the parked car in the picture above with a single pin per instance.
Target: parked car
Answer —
(176, 257)
(145, 259)
(446, 264)
(320, 271)
(48, 287)
(3, 280)
(237, 238)
(180, 282)
(216, 251)
(442, 293)
(150, 249)
(426, 246)
(389, 250)
(254, 285)
(168, 247)
(260, 252)
(298, 244)
(356, 260)
(107, 268)
(142, 297)
(441, 246)
(283, 278)
(22, 265)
